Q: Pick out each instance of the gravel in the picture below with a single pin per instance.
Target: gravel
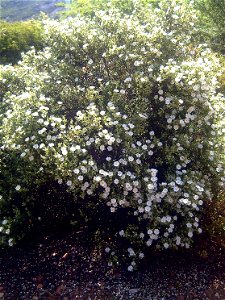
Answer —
(67, 266)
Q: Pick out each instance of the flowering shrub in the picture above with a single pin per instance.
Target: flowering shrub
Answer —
(124, 112)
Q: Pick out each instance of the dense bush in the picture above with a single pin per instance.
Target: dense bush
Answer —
(18, 37)
(89, 7)
(211, 15)
(124, 112)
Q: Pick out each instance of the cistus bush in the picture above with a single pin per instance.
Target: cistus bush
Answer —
(124, 112)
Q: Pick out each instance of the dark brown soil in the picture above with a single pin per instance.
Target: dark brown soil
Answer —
(67, 266)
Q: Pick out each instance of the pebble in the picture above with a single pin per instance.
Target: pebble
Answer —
(217, 295)
(133, 291)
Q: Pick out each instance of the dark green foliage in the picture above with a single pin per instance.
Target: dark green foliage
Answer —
(18, 37)
(212, 22)
(89, 7)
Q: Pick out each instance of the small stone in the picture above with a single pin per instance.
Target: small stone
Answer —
(65, 255)
(217, 295)
(133, 291)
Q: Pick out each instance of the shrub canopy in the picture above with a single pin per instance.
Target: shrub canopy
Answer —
(124, 112)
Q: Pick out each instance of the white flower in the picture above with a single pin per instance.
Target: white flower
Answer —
(167, 100)
(121, 232)
(64, 151)
(89, 192)
(137, 63)
(35, 146)
(18, 187)
(97, 178)
(149, 242)
(156, 231)
(178, 241)
(116, 164)
(83, 169)
(190, 234)
(189, 225)
(128, 79)
(150, 186)
(107, 249)
(76, 171)
(166, 245)
(10, 242)
(130, 268)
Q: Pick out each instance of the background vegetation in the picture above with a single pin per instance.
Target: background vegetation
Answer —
(19, 10)
(19, 37)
